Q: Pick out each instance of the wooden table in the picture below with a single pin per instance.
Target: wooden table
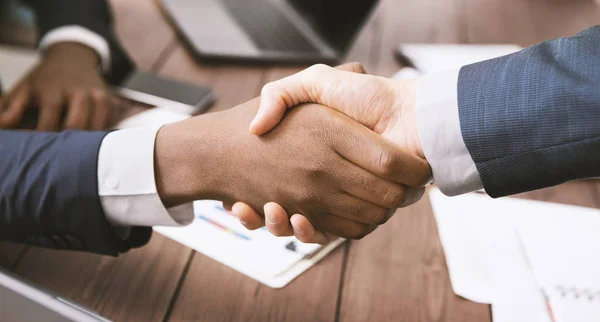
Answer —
(396, 274)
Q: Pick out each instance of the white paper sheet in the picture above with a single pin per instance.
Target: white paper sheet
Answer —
(485, 262)
(563, 243)
(274, 261)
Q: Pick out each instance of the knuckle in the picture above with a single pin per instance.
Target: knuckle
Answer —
(380, 216)
(360, 232)
(357, 67)
(387, 161)
(318, 69)
(425, 176)
(413, 195)
(395, 196)
(269, 89)
(382, 94)
(275, 91)
(100, 95)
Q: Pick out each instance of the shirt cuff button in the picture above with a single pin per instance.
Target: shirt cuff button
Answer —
(112, 183)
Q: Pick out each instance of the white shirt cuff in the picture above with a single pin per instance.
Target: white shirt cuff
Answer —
(126, 183)
(454, 170)
(82, 36)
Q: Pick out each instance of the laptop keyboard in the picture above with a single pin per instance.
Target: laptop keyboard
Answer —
(268, 28)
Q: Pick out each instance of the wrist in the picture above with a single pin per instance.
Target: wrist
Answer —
(188, 162)
(73, 53)
(406, 93)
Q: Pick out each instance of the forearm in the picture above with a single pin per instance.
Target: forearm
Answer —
(49, 191)
(532, 119)
(189, 157)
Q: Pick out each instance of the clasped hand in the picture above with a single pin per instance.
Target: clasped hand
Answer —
(384, 106)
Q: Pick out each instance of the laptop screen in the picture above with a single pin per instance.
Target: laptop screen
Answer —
(337, 21)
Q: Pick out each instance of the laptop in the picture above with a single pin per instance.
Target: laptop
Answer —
(23, 302)
(294, 31)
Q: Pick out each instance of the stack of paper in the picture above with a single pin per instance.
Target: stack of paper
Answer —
(511, 252)
(274, 261)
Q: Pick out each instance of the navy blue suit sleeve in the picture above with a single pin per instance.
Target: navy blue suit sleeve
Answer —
(532, 119)
(94, 15)
(49, 193)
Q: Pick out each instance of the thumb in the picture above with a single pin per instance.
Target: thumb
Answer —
(307, 86)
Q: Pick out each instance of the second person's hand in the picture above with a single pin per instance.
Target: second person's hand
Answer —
(67, 89)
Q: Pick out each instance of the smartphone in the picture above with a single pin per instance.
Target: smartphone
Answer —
(176, 96)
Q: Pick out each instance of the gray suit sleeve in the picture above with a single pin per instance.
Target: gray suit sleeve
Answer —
(532, 119)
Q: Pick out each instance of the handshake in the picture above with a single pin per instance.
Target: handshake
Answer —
(336, 149)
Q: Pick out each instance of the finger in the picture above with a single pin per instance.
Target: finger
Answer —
(344, 90)
(367, 186)
(50, 104)
(101, 112)
(79, 112)
(350, 207)
(247, 216)
(388, 194)
(277, 220)
(414, 194)
(306, 232)
(342, 227)
(14, 106)
(381, 157)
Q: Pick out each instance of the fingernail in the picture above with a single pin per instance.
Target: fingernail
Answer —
(243, 223)
(297, 229)
(271, 220)
(253, 123)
